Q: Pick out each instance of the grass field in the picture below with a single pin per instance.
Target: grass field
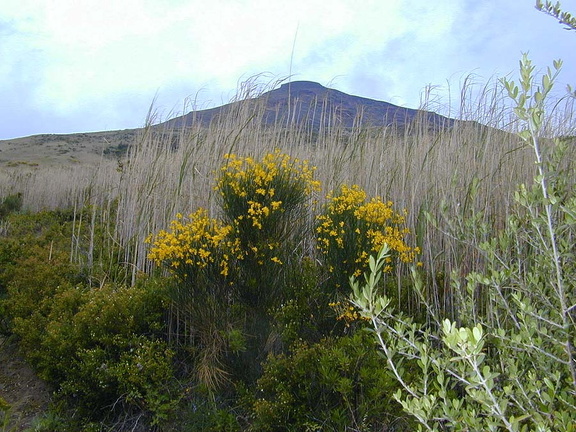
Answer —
(473, 166)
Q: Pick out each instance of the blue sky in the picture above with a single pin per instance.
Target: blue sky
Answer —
(80, 65)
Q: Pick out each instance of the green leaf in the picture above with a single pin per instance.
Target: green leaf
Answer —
(557, 64)
(477, 332)
(546, 83)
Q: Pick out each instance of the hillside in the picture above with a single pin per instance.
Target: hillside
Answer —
(313, 106)
(64, 149)
(303, 104)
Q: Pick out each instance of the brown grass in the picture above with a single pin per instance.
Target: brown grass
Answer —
(449, 174)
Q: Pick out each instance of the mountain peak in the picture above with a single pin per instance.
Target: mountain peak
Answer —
(302, 85)
(310, 104)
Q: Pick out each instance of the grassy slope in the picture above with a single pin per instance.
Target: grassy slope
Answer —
(61, 150)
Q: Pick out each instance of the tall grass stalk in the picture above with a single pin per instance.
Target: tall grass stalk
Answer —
(444, 173)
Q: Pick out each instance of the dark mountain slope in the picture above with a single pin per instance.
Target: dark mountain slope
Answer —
(312, 105)
(306, 104)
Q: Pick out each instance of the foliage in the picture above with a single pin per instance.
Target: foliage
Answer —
(253, 191)
(10, 204)
(267, 203)
(305, 313)
(199, 252)
(5, 412)
(100, 348)
(247, 285)
(231, 273)
(555, 10)
(512, 365)
(32, 283)
(336, 384)
(350, 229)
(36, 265)
(260, 200)
(203, 414)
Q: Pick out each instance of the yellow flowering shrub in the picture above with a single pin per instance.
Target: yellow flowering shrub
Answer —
(256, 193)
(352, 228)
(194, 246)
(347, 313)
(265, 201)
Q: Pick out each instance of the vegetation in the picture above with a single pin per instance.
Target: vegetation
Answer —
(349, 229)
(236, 316)
(507, 361)
(10, 204)
(345, 389)
(555, 10)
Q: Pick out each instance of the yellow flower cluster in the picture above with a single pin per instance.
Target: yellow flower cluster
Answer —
(352, 229)
(348, 314)
(196, 243)
(258, 197)
(257, 211)
(350, 198)
(247, 177)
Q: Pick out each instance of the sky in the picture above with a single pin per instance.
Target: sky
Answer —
(69, 66)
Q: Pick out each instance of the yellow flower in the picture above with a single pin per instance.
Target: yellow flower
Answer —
(354, 228)
(195, 243)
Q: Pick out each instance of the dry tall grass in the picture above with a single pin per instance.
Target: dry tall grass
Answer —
(450, 173)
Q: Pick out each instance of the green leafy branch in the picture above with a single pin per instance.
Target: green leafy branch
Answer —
(555, 10)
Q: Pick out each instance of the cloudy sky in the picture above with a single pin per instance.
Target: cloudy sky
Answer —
(89, 65)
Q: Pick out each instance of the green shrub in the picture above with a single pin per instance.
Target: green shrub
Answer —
(304, 314)
(33, 281)
(101, 348)
(337, 384)
(231, 273)
(10, 204)
(202, 414)
(107, 350)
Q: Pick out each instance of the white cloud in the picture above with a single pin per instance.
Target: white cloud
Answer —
(104, 57)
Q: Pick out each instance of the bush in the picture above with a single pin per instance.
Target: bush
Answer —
(335, 385)
(266, 203)
(10, 204)
(110, 352)
(32, 283)
(231, 273)
(305, 313)
(203, 414)
(101, 348)
(200, 252)
(350, 229)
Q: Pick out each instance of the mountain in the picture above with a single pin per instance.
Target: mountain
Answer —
(303, 103)
(314, 106)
